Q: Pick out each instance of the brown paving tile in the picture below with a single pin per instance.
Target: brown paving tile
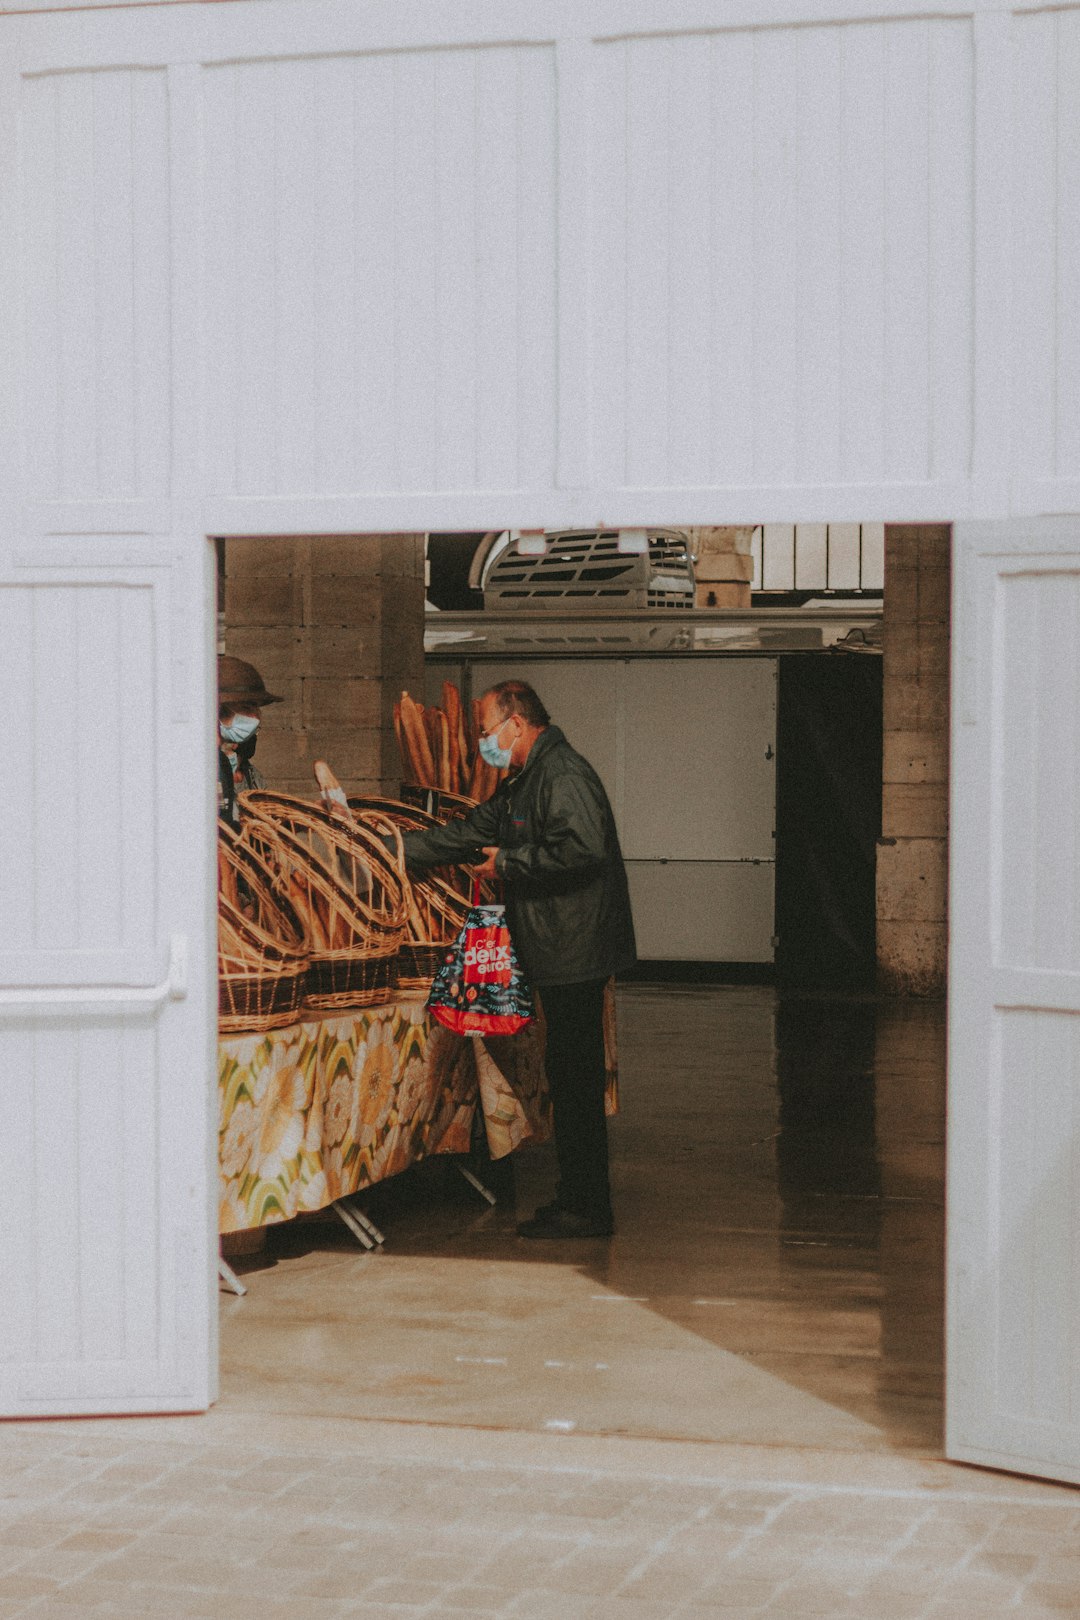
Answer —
(399, 1612)
(768, 1558)
(915, 1556)
(1064, 1597)
(16, 1586)
(745, 1597)
(477, 1597)
(390, 1590)
(96, 1541)
(1029, 1540)
(450, 1605)
(890, 1584)
(900, 1606)
(593, 1570)
(974, 1587)
(538, 1605)
(26, 1533)
(87, 1595)
(946, 1610)
(623, 1608)
(1064, 1571)
(342, 1583)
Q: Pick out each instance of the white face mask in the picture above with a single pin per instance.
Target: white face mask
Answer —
(491, 752)
(239, 728)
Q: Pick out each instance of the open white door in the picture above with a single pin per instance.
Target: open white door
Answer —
(1013, 1352)
(106, 1010)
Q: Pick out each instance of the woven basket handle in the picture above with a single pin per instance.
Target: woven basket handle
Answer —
(500, 892)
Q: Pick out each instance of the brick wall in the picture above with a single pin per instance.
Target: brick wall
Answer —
(336, 625)
(912, 861)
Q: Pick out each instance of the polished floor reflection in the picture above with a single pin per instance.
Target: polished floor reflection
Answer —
(776, 1278)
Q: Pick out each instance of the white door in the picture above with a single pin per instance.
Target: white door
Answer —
(699, 804)
(107, 1016)
(1014, 1089)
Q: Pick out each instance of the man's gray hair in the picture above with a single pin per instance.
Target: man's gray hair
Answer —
(518, 697)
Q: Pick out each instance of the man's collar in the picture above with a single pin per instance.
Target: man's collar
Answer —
(549, 735)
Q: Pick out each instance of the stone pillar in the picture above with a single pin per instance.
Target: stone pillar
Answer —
(723, 567)
(912, 861)
(336, 625)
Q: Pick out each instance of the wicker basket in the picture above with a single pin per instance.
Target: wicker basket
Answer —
(348, 889)
(411, 818)
(262, 952)
(438, 906)
(438, 802)
(437, 915)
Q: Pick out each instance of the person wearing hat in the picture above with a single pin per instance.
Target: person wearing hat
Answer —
(242, 696)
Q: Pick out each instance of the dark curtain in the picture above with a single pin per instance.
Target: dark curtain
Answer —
(828, 819)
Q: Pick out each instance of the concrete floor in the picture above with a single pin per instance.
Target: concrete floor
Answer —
(734, 1408)
(776, 1278)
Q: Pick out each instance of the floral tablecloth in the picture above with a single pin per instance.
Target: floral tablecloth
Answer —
(314, 1112)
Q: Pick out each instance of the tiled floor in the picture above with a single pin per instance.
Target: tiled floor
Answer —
(733, 1409)
(234, 1516)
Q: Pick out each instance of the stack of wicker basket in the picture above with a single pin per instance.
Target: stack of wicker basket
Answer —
(348, 890)
(437, 905)
(317, 915)
(262, 949)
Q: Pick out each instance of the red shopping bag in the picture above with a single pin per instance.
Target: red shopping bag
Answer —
(479, 989)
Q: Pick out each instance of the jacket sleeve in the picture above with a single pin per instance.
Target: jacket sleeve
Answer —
(574, 837)
(458, 842)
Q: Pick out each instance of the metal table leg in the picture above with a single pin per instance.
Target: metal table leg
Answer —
(474, 1181)
(346, 1213)
(228, 1276)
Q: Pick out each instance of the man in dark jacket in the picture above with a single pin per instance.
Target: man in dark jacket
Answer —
(549, 835)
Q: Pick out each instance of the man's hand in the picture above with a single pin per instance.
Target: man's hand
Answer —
(487, 868)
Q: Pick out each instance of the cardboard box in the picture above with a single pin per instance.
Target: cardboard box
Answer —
(722, 594)
(730, 565)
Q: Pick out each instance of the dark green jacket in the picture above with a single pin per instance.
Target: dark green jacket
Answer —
(567, 902)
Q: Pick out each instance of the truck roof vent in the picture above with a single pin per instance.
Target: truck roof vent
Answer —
(584, 569)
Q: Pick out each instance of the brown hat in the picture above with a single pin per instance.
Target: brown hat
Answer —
(239, 682)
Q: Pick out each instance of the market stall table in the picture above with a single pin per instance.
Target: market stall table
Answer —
(316, 1111)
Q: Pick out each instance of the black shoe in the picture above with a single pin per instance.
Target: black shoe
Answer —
(552, 1221)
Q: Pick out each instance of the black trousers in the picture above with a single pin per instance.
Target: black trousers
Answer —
(576, 1073)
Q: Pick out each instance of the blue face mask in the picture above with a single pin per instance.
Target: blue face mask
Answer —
(490, 751)
(239, 728)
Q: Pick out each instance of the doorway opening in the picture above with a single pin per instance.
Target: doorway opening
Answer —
(778, 1264)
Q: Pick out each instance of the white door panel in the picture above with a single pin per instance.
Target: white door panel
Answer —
(778, 296)
(1014, 1188)
(107, 1017)
(698, 759)
(702, 911)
